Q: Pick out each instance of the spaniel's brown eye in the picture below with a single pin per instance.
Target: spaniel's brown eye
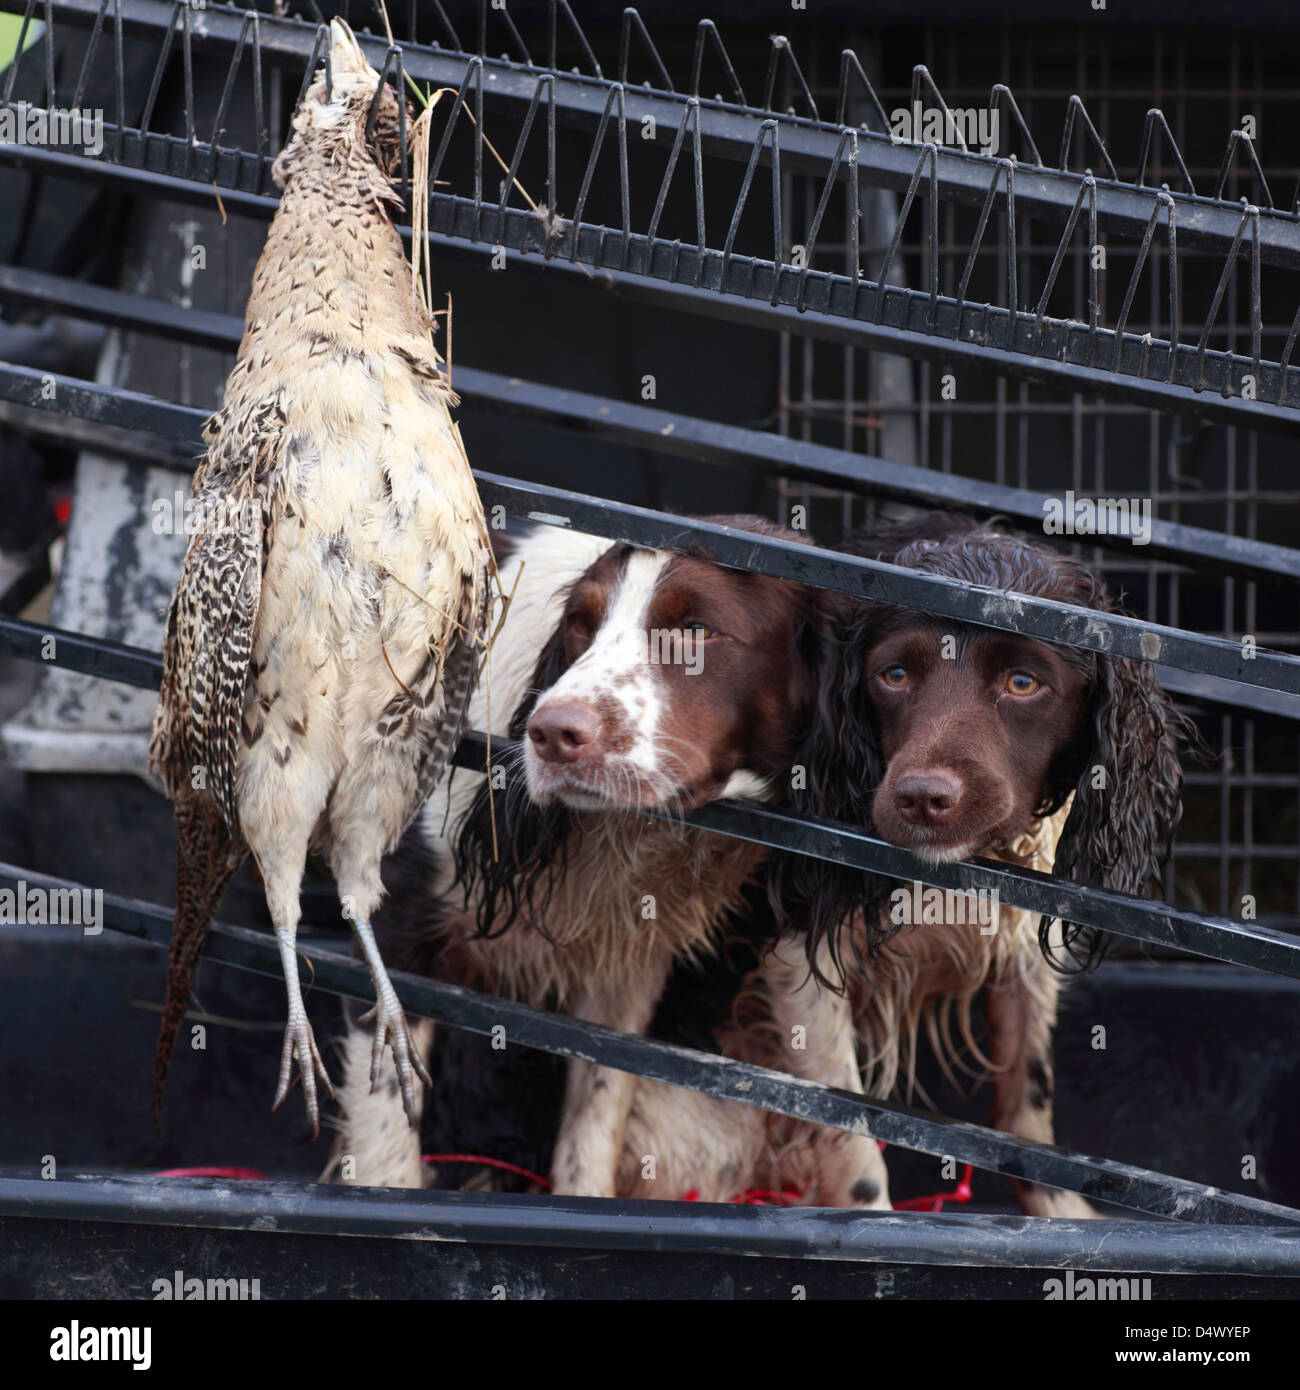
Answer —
(1022, 683)
(895, 677)
(699, 632)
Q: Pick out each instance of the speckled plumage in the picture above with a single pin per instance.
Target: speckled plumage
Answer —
(327, 624)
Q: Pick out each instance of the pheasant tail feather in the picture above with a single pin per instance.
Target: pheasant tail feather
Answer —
(207, 858)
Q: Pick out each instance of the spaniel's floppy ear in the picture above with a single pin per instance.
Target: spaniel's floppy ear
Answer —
(1127, 801)
(528, 841)
(835, 773)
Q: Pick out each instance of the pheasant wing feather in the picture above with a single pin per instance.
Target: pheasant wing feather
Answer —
(207, 651)
(458, 677)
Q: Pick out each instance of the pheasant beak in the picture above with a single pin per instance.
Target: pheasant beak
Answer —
(345, 52)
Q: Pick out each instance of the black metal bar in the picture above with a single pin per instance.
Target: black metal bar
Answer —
(21, 288)
(74, 651)
(806, 564)
(828, 569)
(1101, 1179)
(1255, 946)
(688, 1228)
(1159, 924)
(1212, 692)
(685, 436)
(1209, 691)
(773, 455)
(115, 442)
(844, 309)
(728, 130)
(158, 179)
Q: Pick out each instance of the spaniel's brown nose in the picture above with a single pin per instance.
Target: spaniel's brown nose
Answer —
(561, 732)
(926, 798)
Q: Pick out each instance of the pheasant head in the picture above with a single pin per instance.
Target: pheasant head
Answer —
(331, 120)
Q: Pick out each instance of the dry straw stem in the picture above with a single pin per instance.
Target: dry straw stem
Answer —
(388, 28)
(545, 215)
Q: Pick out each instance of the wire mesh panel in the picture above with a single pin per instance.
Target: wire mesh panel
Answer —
(1241, 829)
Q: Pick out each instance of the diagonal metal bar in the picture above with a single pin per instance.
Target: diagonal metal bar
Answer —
(74, 651)
(666, 432)
(828, 569)
(1238, 943)
(590, 1224)
(1100, 1179)
(1204, 690)
(1158, 924)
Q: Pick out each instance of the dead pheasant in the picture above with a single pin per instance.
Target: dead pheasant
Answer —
(325, 630)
